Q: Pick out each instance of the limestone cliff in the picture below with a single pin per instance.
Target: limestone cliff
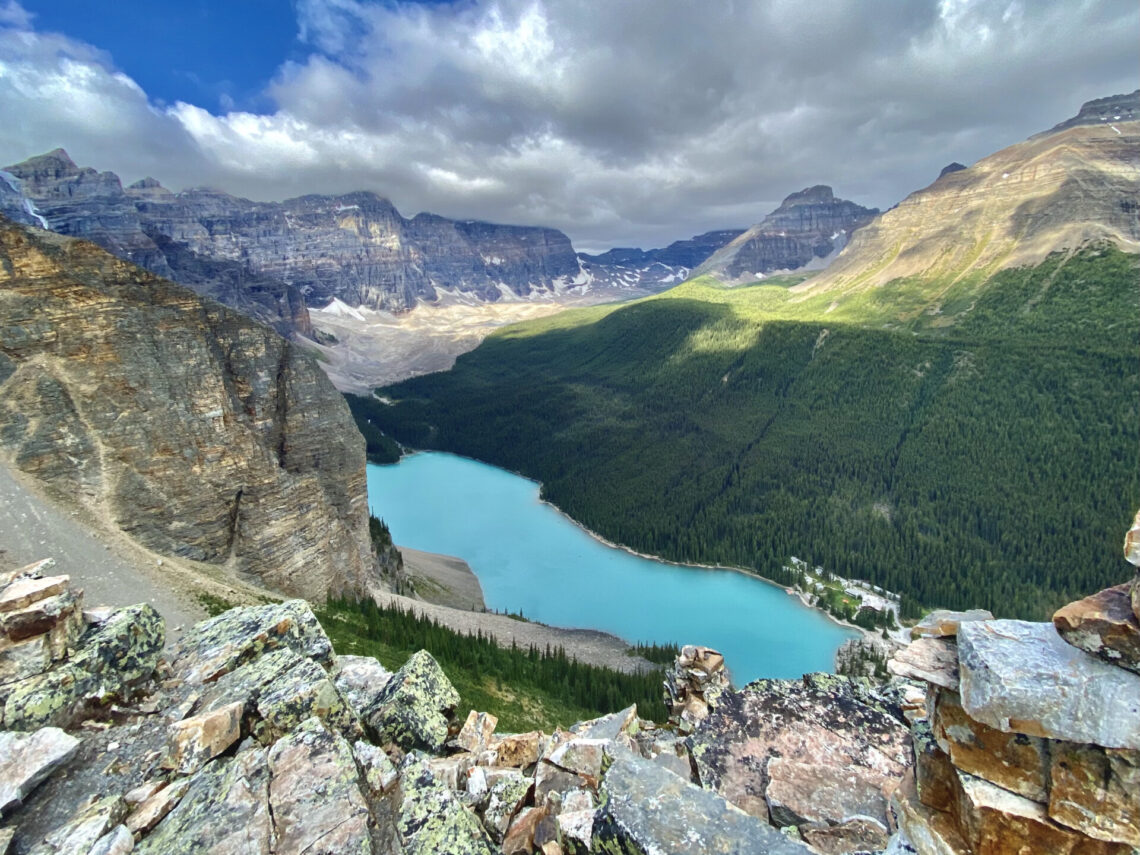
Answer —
(196, 431)
(1057, 190)
(270, 259)
(807, 228)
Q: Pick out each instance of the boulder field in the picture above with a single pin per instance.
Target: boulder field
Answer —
(251, 735)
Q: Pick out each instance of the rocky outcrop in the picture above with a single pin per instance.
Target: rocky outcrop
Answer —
(56, 661)
(693, 685)
(1060, 190)
(808, 227)
(270, 259)
(198, 432)
(1035, 750)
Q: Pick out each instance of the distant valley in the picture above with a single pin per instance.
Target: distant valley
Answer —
(962, 381)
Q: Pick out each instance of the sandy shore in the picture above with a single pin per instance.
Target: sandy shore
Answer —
(443, 579)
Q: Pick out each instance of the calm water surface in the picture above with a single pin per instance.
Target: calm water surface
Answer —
(530, 557)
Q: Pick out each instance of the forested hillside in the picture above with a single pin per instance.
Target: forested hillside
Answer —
(980, 456)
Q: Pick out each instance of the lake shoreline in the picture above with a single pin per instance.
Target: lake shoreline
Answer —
(857, 632)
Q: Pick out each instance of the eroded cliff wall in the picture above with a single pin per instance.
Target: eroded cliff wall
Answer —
(197, 431)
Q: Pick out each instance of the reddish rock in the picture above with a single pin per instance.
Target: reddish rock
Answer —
(1015, 761)
(519, 750)
(942, 623)
(994, 821)
(195, 740)
(476, 732)
(934, 775)
(26, 590)
(1104, 626)
(803, 793)
(1096, 791)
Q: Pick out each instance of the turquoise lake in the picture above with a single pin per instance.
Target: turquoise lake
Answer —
(530, 557)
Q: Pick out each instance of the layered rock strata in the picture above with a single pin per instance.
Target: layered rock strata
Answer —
(1034, 747)
(808, 227)
(271, 259)
(199, 433)
(1056, 191)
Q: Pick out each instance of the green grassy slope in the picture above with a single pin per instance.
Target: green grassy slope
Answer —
(970, 443)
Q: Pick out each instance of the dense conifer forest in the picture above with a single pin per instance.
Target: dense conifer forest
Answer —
(972, 443)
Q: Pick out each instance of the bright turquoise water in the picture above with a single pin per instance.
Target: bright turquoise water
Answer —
(530, 557)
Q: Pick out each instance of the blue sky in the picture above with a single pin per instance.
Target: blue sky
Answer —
(627, 123)
(198, 51)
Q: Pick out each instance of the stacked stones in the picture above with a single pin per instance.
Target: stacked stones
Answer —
(693, 684)
(1031, 739)
(56, 659)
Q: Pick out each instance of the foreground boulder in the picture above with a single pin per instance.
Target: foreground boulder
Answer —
(1103, 625)
(414, 707)
(27, 759)
(647, 810)
(816, 753)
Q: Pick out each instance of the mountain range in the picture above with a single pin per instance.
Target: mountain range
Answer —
(272, 260)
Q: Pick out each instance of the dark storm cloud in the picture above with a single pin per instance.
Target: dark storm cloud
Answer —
(636, 122)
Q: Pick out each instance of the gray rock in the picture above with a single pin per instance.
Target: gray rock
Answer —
(1023, 677)
(647, 810)
(84, 831)
(360, 680)
(941, 623)
(117, 841)
(431, 820)
(609, 726)
(219, 645)
(933, 660)
(225, 811)
(379, 773)
(26, 759)
(314, 795)
(415, 706)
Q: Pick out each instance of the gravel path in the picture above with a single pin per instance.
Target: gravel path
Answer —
(106, 565)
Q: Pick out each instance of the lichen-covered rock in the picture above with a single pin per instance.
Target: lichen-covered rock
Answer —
(219, 645)
(26, 759)
(379, 773)
(1096, 791)
(314, 795)
(360, 680)
(195, 740)
(1104, 626)
(430, 819)
(507, 796)
(933, 773)
(21, 660)
(1022, 677)
(943, 623)
(110, 660)
(246, 684)
(117, 841)
(83, 831)
(225, 811)
(1015, 761)
(303, 691)
(832, 721)
(415, 706)
(647, 810)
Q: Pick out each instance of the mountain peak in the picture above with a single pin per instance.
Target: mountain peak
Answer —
(820, 194)
(55, 164)
(1103, 111)
(951, 167)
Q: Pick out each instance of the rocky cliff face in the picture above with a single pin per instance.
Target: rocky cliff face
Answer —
(198, 432)
(1058, 190)
(268, 259)
(808, 227)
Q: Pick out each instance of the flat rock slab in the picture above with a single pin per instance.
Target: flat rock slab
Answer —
(1022, 677)
(932, 660)
(942, 623)
(1104, 626)
(26, 759)
(648, 810)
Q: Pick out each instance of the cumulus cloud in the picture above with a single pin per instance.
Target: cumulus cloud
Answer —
(637, 122)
